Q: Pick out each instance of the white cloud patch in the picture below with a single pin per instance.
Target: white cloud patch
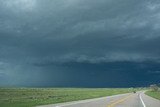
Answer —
(25, 5)
(154, 72)
(109, 57)
(153, 6)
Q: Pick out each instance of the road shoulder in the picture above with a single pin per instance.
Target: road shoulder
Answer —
(149, 101)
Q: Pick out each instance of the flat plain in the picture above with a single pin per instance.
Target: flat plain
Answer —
(154, 94)
(30, 97)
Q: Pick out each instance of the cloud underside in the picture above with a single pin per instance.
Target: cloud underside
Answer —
(60, 32)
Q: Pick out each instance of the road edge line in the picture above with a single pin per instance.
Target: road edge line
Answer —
(142, 101)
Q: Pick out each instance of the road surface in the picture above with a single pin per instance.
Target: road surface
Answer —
(138, 99)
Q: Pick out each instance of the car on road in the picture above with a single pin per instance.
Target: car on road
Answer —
(134, 91)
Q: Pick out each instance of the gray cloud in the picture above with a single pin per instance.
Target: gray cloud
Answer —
(81, 31)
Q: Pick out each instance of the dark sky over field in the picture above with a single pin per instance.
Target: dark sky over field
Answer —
(79, 43)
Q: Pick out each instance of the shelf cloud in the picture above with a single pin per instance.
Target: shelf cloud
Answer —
(51, 42)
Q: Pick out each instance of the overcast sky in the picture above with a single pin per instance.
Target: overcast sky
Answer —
(79, 43)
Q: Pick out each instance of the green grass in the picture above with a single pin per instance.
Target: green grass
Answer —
(29, 97)
(154, 94)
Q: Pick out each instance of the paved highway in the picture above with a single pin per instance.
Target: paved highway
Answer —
(123, 100)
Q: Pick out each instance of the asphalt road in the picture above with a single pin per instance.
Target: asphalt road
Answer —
(123, 100)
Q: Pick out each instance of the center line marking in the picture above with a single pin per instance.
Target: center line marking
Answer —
(119, 101)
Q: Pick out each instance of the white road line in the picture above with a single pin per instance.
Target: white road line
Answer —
(142, 101)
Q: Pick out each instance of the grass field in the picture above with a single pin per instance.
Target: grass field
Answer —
(29, 97)
(154, 94)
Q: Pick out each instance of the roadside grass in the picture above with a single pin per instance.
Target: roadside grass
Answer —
(29, 97)
(154, 94)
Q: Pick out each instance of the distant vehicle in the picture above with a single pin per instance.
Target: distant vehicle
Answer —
(134, 91)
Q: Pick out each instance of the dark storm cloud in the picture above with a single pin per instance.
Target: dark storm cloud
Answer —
(38, 39)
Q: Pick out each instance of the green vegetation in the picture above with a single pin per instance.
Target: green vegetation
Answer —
(154, 94)
(29, 97)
